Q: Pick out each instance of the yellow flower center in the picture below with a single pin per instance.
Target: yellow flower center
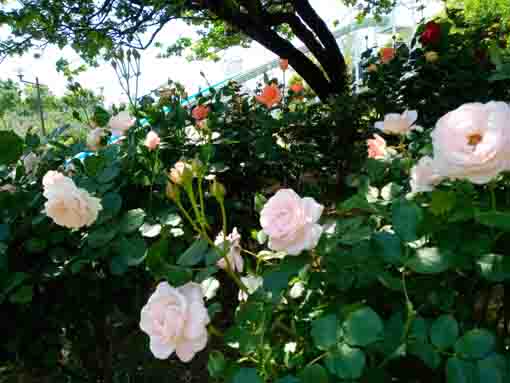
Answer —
(474, 139)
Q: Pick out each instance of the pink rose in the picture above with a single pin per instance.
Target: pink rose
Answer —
(120, 123)
(176, 319)
(473, 142)
(425, 175)
(152, 140)
(232, 243)
(395, 123)
(68, 205)
(290, 222)
(200, 112)
(377, 147)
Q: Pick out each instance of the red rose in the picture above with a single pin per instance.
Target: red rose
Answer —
(432, 33)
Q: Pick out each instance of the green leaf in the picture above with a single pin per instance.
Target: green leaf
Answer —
(426, 353)
(4, 232)
(108, 174)
(324, 332)
(11, 147)
(194, 254)
(288, 379)
(494, 267)
(492, 369)
(388, 246)
(314, 374)
(22, 295)
(277, 279)
(102, 235)
(495, 219)
(346, 363)
(444, 332)
(112, 203)
(362, 327)
(132, 220)
(216, 364)
(442, 202)
(406, 217)
(460, 371)
(430, 260)
(247, 375)
(475, 344)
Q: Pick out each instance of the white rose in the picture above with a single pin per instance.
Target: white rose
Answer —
(395, 123)
(68, 205)
(176, 320)
(30, 162)
(290, 222)
(95, 137)
(425, 175)
(252, 283)
(473, 142)
(234, 251)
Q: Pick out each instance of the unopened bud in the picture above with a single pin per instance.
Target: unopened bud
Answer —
(217, 190)
(197, 167)
(181, 173)
(172, 191)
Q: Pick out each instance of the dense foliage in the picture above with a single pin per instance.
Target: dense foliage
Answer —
(253, 238)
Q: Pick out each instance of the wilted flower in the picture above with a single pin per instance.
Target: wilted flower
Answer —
(152, 140)
(232, 243)
(95, 138)
(372, 68)
(290, 222)
(176, 320)
(30, 162)
(395, 123)
(270, 96)
(8, 188)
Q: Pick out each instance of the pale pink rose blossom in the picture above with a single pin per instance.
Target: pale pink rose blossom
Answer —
(95, 138)
(120, 123)
(252, 283)
(377, 147)
(473, 142)
(68, 205)
(176, 320)
(395, 123)
(425, 175)
(234, 251)
(290, 222)
(152, 140)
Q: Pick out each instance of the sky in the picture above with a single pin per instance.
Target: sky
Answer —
(156, 71)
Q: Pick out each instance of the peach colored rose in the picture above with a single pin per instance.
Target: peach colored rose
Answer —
(386, 55)
(152, 140)
(232, 243)
(431, 56)
(95, 138)
(377, 147)
(200, 112)
(372, 68)
(181, 172)
(395, 123)
(290, 222)
(284, 64)
(120, 123)
(176, 320)
(68, 205)
(425, 175)
(252, 283)
(473, 142)
(270, 96)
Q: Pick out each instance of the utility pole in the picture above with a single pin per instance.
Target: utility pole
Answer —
(39, 100)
